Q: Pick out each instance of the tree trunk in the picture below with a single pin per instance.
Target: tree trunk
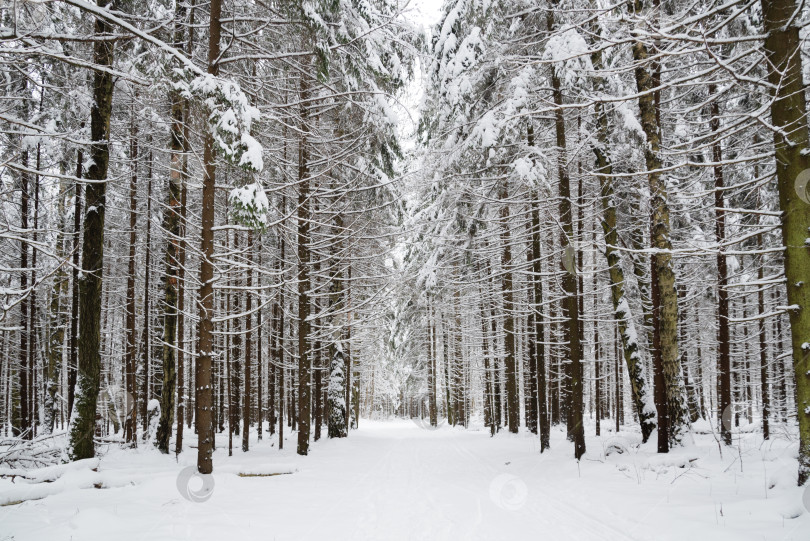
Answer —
(570, 304)
(73, 359)
(248, 347)
(130, 348)
(631, 349)
(304, 361)
(763, 351)
(668, 396)
(172, 226)
(723, 339)
(544, 420)
(510, 362)
(56, 321)
(203, 392)
(278, 317)
(146, 342)
(24, 428)
(788, 112)
(83, 429)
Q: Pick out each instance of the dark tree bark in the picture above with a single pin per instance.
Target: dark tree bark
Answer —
(24, 429)
(202, 372)
(434, 419)
(570, 304)
(130, 349)
(723, 338)
(544, 420)
(304, 360)
(146, 343)
(512, 398)
(73, 359)
(248, 348)
(278, 358)
(763, 352)
(83, 427)
(259, 351)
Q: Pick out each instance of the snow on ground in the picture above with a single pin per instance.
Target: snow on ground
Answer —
(398, 480)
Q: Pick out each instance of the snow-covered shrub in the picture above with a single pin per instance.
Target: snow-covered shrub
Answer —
(336, 392)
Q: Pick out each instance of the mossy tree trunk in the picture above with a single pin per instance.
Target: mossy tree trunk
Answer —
(789, 116)
(631, 350)
(89, 372)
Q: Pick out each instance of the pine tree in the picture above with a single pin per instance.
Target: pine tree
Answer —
(84, 420)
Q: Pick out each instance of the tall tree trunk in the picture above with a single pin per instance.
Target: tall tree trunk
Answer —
(172, 226)
(259, 359)
(146, 342)
(510, 361)
(181, 271)
(33, 408)
(73, 357)
(203, 392)
(271, 372)
(248, 346)
(130, 348)
(83, 427)
(278, 318)
(789, 115)
(531, 391)
(25, 429)
(181, 328)
(639, 384)
(56, 320)
(723, 338)
(570, 304)
(672, 421)
(434, 418)
(543, 417)
(763, 351)
(304, 361)
(347, 352)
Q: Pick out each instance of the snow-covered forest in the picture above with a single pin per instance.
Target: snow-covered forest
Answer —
(391, 269)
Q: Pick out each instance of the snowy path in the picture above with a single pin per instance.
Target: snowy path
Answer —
(397, 481)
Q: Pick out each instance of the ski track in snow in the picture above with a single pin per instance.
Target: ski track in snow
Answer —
(397, 481)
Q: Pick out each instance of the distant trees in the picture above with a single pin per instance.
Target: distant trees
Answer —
(678, 180)
(298, 108)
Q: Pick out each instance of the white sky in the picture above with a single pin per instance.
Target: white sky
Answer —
(425, 13)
